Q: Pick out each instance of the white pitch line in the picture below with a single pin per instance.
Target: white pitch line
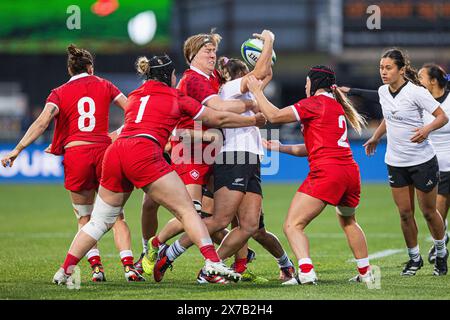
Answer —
(382, 254)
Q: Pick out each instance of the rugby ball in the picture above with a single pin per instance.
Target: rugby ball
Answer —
(251, 50)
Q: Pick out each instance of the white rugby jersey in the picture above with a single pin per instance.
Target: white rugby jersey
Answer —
(440, 138)
(404, 112)
(240, 139)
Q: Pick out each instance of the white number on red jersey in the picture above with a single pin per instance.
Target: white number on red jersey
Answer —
(89, 114)
(140, 114)
(343, 125)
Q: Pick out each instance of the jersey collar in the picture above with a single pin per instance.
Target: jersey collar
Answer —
(199, 71)
(78, 76)
(328, 94)
(442, 98)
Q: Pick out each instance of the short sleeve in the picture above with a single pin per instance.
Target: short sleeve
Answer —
(231, 89)
(114, 92)
(425, 100)
(190, 107)
(304, 110)
(200, 89)
(53, 98)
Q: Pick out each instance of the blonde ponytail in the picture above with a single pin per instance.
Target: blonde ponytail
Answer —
(356, 120)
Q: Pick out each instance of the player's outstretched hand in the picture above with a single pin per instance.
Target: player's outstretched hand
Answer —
(371, 146)
(9, 159)
(265, 35)
(260, 120)
(271, 144)
(344, 89)
(420, 135)
(254, 85)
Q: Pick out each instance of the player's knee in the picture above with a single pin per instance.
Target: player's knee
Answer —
(103, 218)
(249, 228)
(406, 214)
(259, 234)
(82, 210)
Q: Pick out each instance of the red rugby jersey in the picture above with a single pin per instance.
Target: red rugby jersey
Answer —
(154, 109)
(199, 87)
(83, 104)
(324, 128)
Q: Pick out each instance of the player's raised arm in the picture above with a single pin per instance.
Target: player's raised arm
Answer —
(272, 113)
(36, 129)
(298, 150)
(263, 67)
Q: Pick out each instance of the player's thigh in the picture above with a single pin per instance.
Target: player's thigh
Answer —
(83, 197)
(170, 192)
(114, 199)
(226, 204)
(303, 209)
(195, 191)
(404, 199)
(427, 200)
(250, 210)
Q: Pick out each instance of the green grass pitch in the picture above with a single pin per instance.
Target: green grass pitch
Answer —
(37, 226)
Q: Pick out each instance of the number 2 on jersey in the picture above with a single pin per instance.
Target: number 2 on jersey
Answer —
(343, 125)
(86, 114)
(142, 106)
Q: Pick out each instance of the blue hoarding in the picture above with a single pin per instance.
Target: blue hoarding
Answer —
(35, 166)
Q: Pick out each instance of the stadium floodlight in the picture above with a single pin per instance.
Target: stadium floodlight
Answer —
(142, 27)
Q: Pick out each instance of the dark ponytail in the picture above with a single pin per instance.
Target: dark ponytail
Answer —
(438, 73)
(78, 59)
(401, 59)
(230, 69)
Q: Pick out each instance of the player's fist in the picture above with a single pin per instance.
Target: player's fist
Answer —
(271, 144)
(10, 157)
(265, 35)
(260, 120)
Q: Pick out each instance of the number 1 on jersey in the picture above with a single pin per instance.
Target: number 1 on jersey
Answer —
(343, 125)
(140, 114)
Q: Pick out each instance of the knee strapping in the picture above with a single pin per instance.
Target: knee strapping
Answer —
(103, 218)
(345, 211)
(82, 210)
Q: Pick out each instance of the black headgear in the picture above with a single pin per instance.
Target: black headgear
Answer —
(321, 77)
(161, 69)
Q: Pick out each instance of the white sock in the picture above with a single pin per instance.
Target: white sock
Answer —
(175, 250)
(92, 253)
(144, 245)
(441, 250)
(284, 261)
(414, 253)
(125, 254)
(304, 261)
(362, 263)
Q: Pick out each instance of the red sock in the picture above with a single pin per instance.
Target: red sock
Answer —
(363, 270)
(155, 242)
(127, 261)
(70, 262)
(305, 268)
(209, 252)
(240, 265)
(95, 260)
